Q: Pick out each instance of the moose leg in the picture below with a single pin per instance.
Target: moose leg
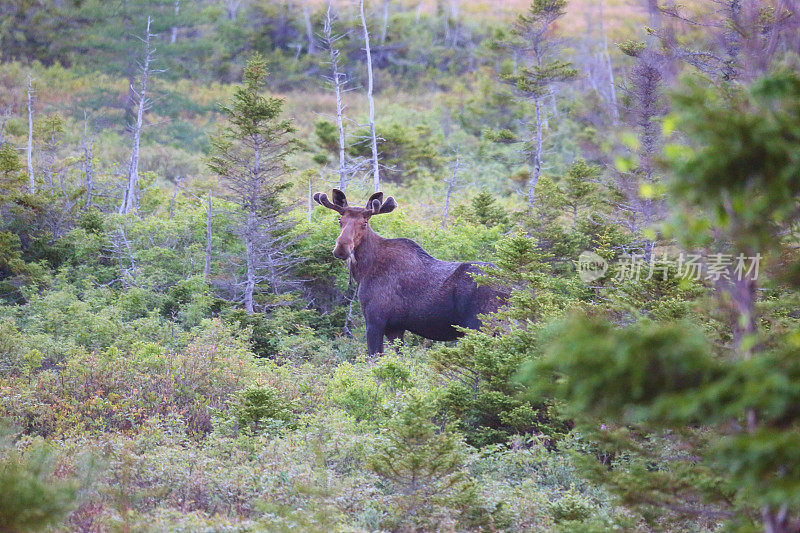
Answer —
(375, 338)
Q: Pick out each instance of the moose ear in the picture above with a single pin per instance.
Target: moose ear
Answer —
(339, 198)
(322, 199)
(374, 207)
(388, 206)
(377, 196)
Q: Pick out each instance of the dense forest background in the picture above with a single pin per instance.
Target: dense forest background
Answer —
(180, 351)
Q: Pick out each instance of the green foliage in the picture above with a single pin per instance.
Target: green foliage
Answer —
(681, 395)
(10, 165)
(572, 507)
(745, 146)
(407, 153)
(580, 186)
(589, 356)
(482, 393)
(250, 115)
(632, 48)
(257, 409)
(483, 210)
(34, 496)
(423, 466)
(116, 391)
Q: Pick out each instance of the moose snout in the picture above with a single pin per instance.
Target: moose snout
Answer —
(340, 253)
(343, 249)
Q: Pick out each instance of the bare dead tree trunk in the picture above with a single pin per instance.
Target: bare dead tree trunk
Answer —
(130, 67)
(88, 168)
(376, 179)
(174, 196)
(122, 250)
(250, 283)
(607, 60)
(309, 30)
(454, 18)
(209, 214)
(418, 14)
(233, 8)
(537, 154)
(3, 120)
(310, 199)
(775, 521)
(385, 27)
(130, 199)
(336, 80)
(174, 32)
(250, 238)
(450, 186)
(31, 180)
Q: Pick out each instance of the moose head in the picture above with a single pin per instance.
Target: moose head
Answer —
(354, 220)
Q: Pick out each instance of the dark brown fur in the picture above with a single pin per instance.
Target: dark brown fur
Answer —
(401, 287)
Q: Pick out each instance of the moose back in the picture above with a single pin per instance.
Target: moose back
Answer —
(401, 287)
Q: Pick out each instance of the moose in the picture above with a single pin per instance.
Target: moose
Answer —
(400, 286)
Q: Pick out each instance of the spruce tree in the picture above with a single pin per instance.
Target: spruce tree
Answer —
(423, 467)
(533, 42)
(580, 187)
(250, 157)
(728, 411)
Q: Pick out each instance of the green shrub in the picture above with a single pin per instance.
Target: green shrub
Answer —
(33, 497)
(260, 408)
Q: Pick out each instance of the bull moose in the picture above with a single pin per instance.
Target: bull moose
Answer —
(401, 287)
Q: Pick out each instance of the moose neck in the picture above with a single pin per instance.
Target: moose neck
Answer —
(367, 254)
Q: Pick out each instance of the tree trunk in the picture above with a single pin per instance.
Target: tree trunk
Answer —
(385, 27)
(130, 199)
(376, 181)
(174, 32)
(609, 67)
(450, 185)
(209, 214)
(454, 18)
(775, 521)
(337, 86)
(250, 284)
(88, 168)
(31, 180)
(233, 8)
(6, 116)
(537, 155)
(309, 30)
(174, 196)
(310, 199)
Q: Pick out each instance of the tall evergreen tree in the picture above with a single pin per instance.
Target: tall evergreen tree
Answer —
(731, 408)
(534, 80)
(249, 156)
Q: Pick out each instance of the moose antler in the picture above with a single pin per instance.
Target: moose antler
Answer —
(388, 206)
(376, 196)
(322, 199)
(375, 204)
